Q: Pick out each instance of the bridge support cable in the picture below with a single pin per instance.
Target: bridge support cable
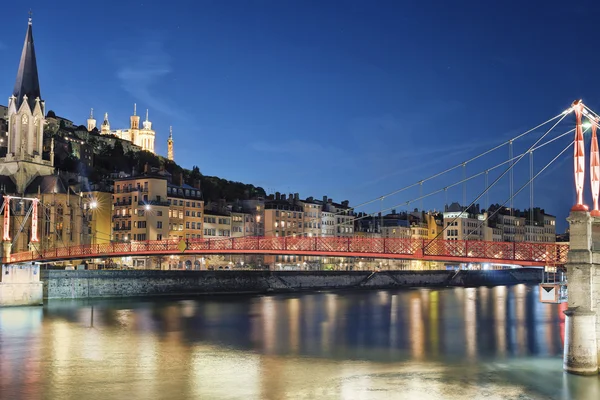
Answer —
(501, 175)
(511, 188)
(445, 189)
(520, 189)
(457, 183)
(21, 220)
(531, 189)
(487, 194)
(421, 194)
(436, 175)
(464, 188)
(22, 225)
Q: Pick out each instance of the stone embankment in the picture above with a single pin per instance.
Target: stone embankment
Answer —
(59, 284)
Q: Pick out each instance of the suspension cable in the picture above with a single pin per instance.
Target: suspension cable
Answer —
(535, 147)
(522, 187)
(503, 174)
(436, 175)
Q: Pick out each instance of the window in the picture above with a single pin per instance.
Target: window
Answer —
(159, 213)
(187, 225)
(158, 224)
(193, 225)
(159, 236)
(141, 224)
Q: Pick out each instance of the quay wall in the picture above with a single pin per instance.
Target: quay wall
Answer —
(79, 284)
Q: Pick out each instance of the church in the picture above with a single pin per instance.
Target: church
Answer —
(144, 137)
(27, 175)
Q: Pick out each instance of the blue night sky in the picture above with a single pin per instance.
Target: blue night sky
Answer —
(351, 99)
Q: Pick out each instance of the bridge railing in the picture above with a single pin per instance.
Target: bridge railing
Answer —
(543, 253)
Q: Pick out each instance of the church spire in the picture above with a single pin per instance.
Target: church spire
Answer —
(27, 83)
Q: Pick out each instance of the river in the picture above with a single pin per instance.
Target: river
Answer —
(492, 343)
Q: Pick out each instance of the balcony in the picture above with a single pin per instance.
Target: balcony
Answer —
(153, 203)
(118, 204)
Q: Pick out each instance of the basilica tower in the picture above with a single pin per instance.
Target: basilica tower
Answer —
(145, 136)
(91, 122)
(170, 154)
(26, 111)
(105, 127)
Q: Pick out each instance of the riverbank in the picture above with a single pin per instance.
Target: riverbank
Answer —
(60, 284)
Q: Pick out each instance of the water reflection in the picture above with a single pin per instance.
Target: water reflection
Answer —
(499, 342)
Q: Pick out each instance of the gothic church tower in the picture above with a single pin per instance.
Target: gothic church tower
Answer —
(26, 110)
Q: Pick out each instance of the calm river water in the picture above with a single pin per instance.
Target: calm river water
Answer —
(485, 343)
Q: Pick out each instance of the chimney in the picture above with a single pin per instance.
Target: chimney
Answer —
(310, 199)
(296, 196)
(345, 203)
(324, 199)
(393, 211)
(197, 183)
(283, 196)
(330, 201)
(277, 196)
(146, 168)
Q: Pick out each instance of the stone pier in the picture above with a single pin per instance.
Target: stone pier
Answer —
(582, 324)
(20, 285)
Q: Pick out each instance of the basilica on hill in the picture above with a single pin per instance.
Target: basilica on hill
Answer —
(142, 137)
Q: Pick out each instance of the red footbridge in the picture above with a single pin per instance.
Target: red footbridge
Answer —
(468, 251)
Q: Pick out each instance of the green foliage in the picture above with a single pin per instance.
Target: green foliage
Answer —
(108, 159)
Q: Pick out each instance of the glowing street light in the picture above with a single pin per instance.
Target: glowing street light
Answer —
(93, 205)
(147, 207)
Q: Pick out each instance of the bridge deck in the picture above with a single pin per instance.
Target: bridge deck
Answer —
(522, 253)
